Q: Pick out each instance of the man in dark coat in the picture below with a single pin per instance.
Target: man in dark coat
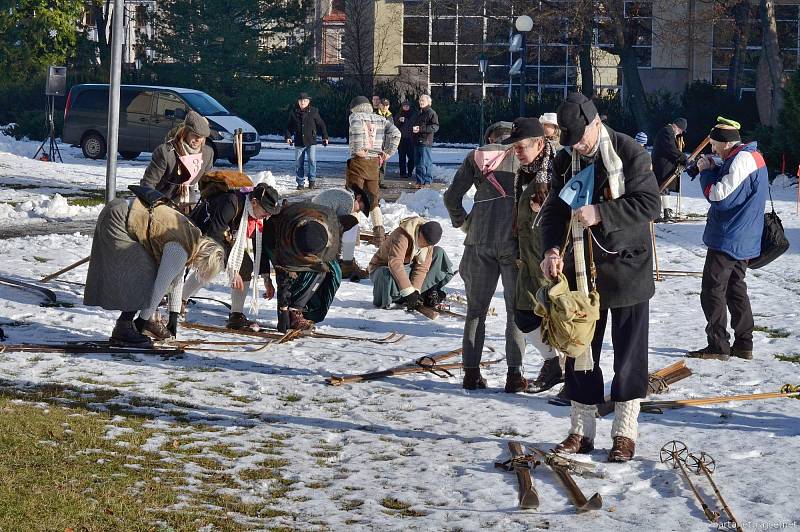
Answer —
(667, 156)
(302, 129)
(425, 125)
(303, 244)
(177, 165)
(405, 122)
(622, 204)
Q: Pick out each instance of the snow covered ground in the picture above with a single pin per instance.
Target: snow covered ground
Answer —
(420, 440)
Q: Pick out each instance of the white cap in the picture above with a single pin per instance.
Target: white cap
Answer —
(549, 118)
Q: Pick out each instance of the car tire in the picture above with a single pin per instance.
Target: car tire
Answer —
(234, 161)
(129, 155)
(93, 145)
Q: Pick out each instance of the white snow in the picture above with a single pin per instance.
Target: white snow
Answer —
(418, 439)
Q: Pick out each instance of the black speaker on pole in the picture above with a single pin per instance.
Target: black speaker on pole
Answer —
(56, 81)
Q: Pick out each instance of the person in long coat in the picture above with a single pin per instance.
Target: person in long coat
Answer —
(139, 254)
(623, 202)
(667, 157)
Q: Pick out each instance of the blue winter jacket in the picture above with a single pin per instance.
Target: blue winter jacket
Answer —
(737, 191)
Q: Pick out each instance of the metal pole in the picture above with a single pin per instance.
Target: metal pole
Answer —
(522, 81)
(483, 97)
(113, 102)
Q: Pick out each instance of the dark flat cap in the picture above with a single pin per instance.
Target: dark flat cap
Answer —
(524, 128)
(574, 115)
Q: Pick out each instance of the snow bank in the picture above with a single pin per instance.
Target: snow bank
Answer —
(54, 208)
(783, 180)
(9, 144)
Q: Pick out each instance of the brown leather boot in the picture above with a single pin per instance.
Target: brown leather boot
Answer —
(575, 444)
(152, 327)
(515, 382)
(352, 270)
(473, 380)
(622, 450)
(298, 322)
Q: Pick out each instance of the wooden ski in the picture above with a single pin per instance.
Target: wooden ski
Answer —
(522, 465)
(90, 346)
(269, 332)
(787, 390)
(560, 467)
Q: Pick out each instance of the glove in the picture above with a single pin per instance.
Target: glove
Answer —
(412, 301)
(692, 171)
(172, 323)
(683, 160)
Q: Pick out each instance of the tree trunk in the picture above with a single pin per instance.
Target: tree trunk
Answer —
(772, 77)
(585, 62)
(100, 21)
(633, 89)
(741, 17)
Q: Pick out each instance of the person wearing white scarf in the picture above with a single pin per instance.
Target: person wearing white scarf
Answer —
(624, 201)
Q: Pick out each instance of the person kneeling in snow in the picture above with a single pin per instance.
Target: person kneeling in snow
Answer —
(409, 267)
(139, 253)
(303, 243)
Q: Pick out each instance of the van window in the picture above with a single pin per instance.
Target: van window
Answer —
(92, 100)
(139, 102)
(167, 104)
(205, 104)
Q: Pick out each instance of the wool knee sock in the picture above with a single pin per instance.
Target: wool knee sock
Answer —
(583, 420)
(237, 299)
(173, 261)
(626, 419)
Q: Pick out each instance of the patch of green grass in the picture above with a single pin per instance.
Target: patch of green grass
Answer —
(291, 398)
(85, 202)
(40, 259)
(794, 357)
(401, 508)
(171, 388)
(506, 431)
(350, 505)
(772, 332)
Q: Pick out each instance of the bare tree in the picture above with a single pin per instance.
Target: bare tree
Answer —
(367, 43)
(770, 77)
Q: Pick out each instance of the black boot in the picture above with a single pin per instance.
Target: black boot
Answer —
(549, 376)
(433, 297)
(669, 215)
(473, 380)
(126, 335)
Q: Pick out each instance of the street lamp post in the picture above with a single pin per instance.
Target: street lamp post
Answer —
(524, 24)
(483, 64)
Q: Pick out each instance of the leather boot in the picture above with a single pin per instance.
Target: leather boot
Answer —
(549, 376)
(473, 380)
(515, 382)
(622, 450)
(352, 270)
(575, 444)
(237, 320)
(126, 335)
(583, 423)
(378, 235)
(624, 430)
(152, 327)
(298, 322)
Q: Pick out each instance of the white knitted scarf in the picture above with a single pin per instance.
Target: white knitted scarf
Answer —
(241, 244)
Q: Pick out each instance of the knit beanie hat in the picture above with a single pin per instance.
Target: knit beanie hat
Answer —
(726, 130)
(641, 138)
(432, 232)
(311, 237)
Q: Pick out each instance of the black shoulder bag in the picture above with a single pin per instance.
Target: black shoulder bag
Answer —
(773, 239)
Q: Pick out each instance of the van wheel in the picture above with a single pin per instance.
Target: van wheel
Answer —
(235, 162)
(93, 146)
(129, 155)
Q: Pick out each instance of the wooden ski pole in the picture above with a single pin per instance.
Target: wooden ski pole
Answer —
(48, 278)
(679, 171)
(674, 453)
(655, 251)
(239, 148)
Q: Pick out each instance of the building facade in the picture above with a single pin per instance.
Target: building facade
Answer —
(436, 45)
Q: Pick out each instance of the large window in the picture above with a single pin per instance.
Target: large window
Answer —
(452, 36)
(723, 46)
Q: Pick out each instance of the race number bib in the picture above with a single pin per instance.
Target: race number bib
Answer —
(193, 163)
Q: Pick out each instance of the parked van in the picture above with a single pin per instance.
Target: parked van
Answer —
(146, 115)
